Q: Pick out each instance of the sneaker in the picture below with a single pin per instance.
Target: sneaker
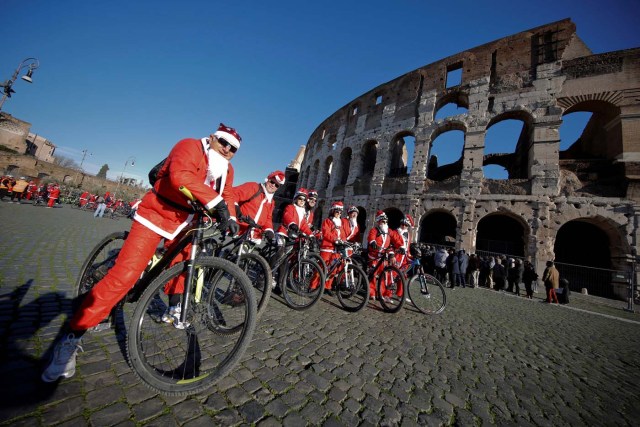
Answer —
(172, 313)
(387, 300)
(180, 325)
(63, 363)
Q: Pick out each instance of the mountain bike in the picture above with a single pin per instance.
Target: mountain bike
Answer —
(425, 292)
(241, 250)
(348, 280)
(390, 282)
(218, 312)
(299, 270)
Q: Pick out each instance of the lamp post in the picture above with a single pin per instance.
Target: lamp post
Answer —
(32, 64)
(130, 161)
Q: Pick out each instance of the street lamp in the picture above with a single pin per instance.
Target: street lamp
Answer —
(130, 161)
(31, 64)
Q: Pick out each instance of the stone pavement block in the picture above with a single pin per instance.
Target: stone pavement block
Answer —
(215, 402)
(138, 393)
(186, 410)
(64, 410)
(252, 411)
(74, 422)
(238, 396)
(104, 396)
(227, 417)
(148, 409)
(111, 415)
(277, 408)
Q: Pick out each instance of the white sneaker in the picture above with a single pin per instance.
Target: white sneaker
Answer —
(387, 300)
(63, 363)
(172, 314)
(180, 325)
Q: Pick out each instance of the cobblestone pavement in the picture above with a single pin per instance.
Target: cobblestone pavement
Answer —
(488, 359)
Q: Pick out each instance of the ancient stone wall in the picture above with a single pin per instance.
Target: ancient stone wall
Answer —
(536, 77)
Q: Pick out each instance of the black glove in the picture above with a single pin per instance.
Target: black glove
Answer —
(233, 227)
(373, 245)
(294, 228)
(402, 250)
(269, 235)
(248, 220)
(222, 213)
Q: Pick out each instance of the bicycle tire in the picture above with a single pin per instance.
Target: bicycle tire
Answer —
(100, 260)
(427, 295)
(352, 288)
(318, 259)
(180, 362)
(296, 284)
(391, 284)
(259, 272)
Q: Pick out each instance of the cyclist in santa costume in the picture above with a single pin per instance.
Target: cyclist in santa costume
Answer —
(332, 235)
(403, 258)
(379, 239)
(254, 201)
(201, 165)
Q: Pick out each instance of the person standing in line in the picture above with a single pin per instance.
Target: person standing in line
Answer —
(551, 280)
(201, 165)
(440, 262)
(474, 270)
(499, 275)
(519, 274)
(529, 276)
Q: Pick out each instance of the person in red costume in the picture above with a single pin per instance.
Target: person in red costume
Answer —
(350, 226)
(379, 239)
(201, 165)
(403, 258)
(294, 214)
(53, 195)
(84, 198)
(254, 201)
(332, 235)
(311, 205)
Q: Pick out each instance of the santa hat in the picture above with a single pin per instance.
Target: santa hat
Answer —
(302, 192)
(228, 134)
(380, 215)
(353, 209)
(408, 220)
(337, 206)
(277, 176)
(313, 194)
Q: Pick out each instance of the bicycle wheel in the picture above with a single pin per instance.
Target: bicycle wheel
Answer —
(296, 284)
(390, 288)
(318, 259)
(185, 361)
(427, 294)
(99, 262)
(259, 272)
(352, 287)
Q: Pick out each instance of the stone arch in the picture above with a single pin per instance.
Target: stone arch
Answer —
(438, 227)
(344, 166)
(502, 232)
(590, 247)
(457, 97)
(326, 173)
(437, 171)
(401, 151)
(592, 158)
(318, 215)
(516, 162)
(395, 216)
(369, 156)
(313, 176)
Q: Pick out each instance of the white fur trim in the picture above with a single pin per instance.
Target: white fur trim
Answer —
(151, 226)
(227, 136)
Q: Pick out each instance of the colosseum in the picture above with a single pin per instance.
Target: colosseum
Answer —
(577, 205)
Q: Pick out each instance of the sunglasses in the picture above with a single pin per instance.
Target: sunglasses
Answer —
(226, 144)
(274, 183)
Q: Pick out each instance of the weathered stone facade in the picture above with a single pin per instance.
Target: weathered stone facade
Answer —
(358, 154)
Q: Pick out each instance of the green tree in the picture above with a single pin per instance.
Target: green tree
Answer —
(103, 171)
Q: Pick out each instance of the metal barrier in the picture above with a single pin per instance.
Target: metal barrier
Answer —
(602, 282)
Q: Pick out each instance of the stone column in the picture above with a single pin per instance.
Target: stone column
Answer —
(544, 159)
(472, 175)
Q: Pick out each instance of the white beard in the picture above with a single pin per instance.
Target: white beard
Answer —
(337, 222)
(217, 166)
(353, 222)
(384, 228)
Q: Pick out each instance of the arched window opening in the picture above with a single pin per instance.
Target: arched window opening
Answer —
(438, 228)
(369, 154)
(402, 156)
(583, 257)
(501, 234)
(328, 165)
(445, 157)
(313, 179)
(572, 127)
(449, 110)
(345, 165)
(503, 148)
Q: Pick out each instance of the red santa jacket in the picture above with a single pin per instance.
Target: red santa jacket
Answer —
(259, 208)
(186, 166)
(405, 237)
(54, 193)
(383, 241)
(294, 215)
(330, 234)
(350, 232)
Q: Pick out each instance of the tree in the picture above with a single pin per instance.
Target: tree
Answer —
(103, 171)
(65, 162)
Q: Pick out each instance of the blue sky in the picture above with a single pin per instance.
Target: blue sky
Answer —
(128, 79)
